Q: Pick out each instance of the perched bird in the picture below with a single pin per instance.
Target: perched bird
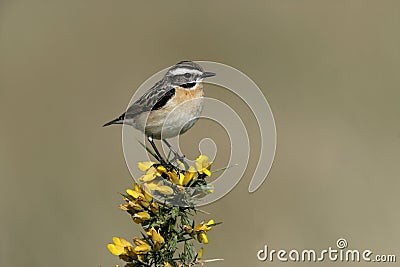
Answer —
(171, 107)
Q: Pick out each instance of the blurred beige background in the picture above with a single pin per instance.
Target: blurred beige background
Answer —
(329, 69)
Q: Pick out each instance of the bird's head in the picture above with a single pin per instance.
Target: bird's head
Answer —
(186, 74)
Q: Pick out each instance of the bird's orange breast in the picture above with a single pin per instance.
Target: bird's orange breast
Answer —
(184, 94)
(178, 114)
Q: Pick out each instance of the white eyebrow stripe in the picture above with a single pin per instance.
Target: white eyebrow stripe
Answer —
(180, 71)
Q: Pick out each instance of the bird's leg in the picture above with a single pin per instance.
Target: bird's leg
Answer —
(159, 157)
(177, 156)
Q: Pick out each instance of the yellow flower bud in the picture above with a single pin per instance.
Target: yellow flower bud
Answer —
(142, 248)
(203, 165)
(189, 175)
(188, 229)
(147, 195)
(141, 217)
(115, 250)
(200, 254)
(135, 206)
(145, 165)
(133, 193)
(154, 207)
(202, 237)
(136, 187)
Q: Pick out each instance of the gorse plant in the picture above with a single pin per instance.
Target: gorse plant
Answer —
(163, 204)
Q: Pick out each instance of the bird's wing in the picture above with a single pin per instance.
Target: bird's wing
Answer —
(154, 98)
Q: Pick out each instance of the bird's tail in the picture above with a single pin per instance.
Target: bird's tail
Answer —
(119, 120)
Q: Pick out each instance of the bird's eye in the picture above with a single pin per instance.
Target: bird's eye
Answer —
(187, 75)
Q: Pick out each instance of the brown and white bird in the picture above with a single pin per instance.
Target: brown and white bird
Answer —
(171, 107)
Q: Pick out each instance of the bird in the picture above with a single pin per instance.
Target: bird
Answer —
(169, 108)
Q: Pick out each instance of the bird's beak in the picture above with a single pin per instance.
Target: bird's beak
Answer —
(207, 74)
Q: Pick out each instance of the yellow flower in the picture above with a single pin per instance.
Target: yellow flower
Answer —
(155, 236)
(138, 241)
(121, 248)
(176, 178)
(203, 165)
(200, 254)
(181, 179)
(154, 207)
(135, 194)
(144, 202)
(189, 175)
(115, 250)
(139, 197)
(201, 230)
(129, 251)
(204, 226)
(132, 206)
(141, 246)
(147, 196)
(150, 175)
(141, 217)
(136, 187)
(118, 247)
(135, 206)
(121, 242)
(146, 192)
(164, 189)
(145, 165)
(161, 169)
(202, 237)
(167, 264)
